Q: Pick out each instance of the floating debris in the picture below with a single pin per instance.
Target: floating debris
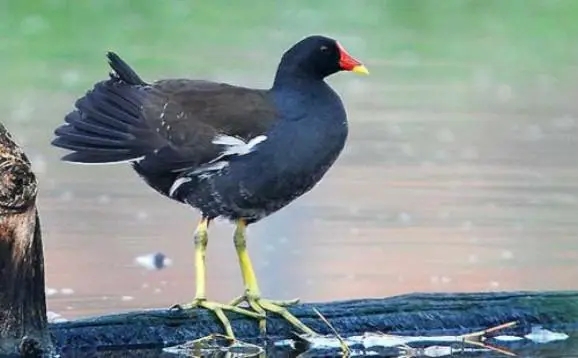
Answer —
(381, 340)
(50, 291)
(537, 335)
(541, 335)
(54, 317)
(507, 338)
(155, 261)
(436, 351)
(216, 345)
(66, 291)
(459, 344)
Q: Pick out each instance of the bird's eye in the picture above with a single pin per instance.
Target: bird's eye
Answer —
(324, 48)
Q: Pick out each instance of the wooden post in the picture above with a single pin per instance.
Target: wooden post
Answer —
(23, 322)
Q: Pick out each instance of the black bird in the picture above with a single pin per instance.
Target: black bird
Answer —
(229, 151)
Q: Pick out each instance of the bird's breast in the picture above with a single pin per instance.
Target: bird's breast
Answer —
(298, 151)
(288, 164)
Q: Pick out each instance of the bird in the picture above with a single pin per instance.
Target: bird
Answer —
(229, 151)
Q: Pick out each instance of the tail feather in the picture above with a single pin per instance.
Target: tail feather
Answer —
(76, 135)
(113, 95)
(84, 148)
(123, 71)
(107, 125)
(96, 104)
(96, 158)
(82, 123)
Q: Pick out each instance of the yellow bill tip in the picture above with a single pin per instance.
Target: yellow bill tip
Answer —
(361, 69)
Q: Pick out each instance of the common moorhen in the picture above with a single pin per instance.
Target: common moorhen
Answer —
(229, 151)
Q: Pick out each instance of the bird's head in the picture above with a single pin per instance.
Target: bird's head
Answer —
(319, 56)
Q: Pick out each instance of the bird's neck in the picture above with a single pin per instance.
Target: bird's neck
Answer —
(293, 77)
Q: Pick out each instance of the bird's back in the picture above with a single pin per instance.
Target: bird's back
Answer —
(162, 128)
(189, 115)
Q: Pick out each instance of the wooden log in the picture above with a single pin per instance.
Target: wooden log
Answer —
(413, 314)
(23, 323)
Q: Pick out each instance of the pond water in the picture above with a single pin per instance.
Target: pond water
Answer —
(460, 173)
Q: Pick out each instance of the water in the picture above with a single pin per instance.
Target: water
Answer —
(460, 173)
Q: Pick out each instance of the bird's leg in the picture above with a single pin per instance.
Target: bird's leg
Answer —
(200, 300)
(252, 293)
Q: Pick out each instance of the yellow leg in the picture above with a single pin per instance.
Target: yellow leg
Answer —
(201, 241)
(200, 300)
(252, 293)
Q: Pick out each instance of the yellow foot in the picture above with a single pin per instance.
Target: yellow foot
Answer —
(262, 305)
(218, 309)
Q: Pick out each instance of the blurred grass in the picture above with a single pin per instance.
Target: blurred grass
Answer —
(59, 45)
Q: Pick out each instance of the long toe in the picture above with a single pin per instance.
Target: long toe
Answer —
(218, 309)
(284, 303)
(275, 307)
(261, 306)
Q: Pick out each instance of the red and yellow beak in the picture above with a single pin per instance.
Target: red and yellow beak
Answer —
(348, 63)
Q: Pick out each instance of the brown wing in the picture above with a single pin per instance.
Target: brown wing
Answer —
(189, 114)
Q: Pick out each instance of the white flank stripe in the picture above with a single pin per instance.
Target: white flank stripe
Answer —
(177, 184)
(210, 167)
(228, 140)
(203, 172)
(234, 145)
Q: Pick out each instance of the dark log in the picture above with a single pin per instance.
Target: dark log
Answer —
(146, 332)
(23, 323)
